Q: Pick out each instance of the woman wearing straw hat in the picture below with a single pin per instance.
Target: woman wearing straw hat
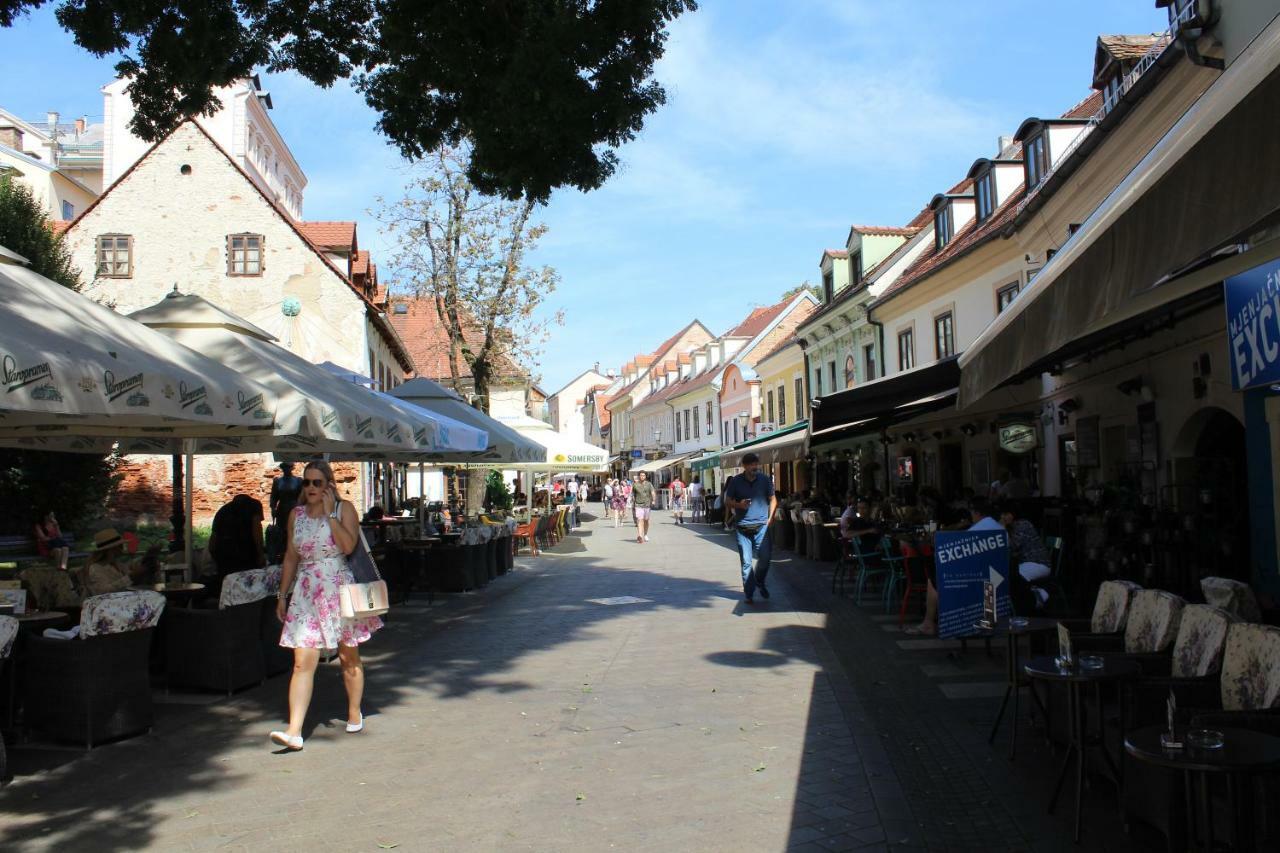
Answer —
(323, 530)
(108, 571)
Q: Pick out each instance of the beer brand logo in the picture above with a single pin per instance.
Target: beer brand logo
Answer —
(167, 391)
(420, 435)
(47, 392)
(190, 396)
(16, 377)
(88, 384)
(250, 404)
(365, 427)
(115, 390)
(329, 418)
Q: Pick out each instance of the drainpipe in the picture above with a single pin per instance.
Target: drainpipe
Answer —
(884, 365)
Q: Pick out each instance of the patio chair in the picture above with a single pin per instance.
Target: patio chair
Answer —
(800, 536)
(896, 564)
(96, 687)
(528, 533)
(450, 567)
(870, 566)
(1110, 612)
(49, 588)
(220, 649)
(782, 530)
(1232, 595)
(1053, 585)
(8, 633)
(915, 579)
(1151, 626)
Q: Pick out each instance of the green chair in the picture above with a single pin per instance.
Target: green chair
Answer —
(896, 569)
(870, 565)
(1053, 584)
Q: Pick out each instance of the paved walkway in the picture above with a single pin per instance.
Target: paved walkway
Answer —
(608, 695)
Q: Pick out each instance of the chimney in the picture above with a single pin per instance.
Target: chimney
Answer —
(52, 119)
(1002, 144)
(81, 124)
(596, 367)
(11, 136)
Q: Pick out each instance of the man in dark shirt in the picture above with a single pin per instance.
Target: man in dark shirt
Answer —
(235, 543)
(751, 497)
(285, 490)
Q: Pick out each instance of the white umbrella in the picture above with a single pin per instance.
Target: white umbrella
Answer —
(560, 452)
(71, 365)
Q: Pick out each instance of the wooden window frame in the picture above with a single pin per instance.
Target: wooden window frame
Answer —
(1035, 158)
(782, 403)
(115, 250)
(1015, 287)
(231, 255)
(800, 398)
(950, 316)
(768, 395)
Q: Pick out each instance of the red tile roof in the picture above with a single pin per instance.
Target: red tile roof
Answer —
(425, 337)
(838, 254)
(60, 226)
(757, 320)
(1086, 108)
(330, 235)
(602, 408)
(661, 350)
(887, 230)
(964, 241)
(360, 263)
(779, 348)
(1130, 48)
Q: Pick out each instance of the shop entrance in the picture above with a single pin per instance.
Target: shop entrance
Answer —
(950, 471)
(1209, 489)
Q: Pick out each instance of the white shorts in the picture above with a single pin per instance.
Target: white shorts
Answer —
(642, 512)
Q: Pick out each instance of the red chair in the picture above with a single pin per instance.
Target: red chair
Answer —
(529, 533)
(916, 580)
(130, 541)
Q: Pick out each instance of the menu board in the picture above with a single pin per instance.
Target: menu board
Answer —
(968, 562)
(1088, 442)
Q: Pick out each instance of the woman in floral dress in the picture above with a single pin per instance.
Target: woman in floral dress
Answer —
(323, 531)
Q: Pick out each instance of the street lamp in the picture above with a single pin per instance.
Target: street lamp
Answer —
(657, 437)
(745, 419)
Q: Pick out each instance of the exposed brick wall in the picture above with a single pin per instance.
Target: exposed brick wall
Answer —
(146, 494)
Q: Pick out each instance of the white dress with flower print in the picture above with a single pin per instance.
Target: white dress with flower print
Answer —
(314, 618)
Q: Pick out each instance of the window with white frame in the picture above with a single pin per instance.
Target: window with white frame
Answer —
(709, 427)
(769, 406)
(782, 404)
(678, 434)
(689, 421)
(944, 335)
(800, 401)
(906, 349)
(817, 382)
(1005, 296)
(869, 361)
(115, 256)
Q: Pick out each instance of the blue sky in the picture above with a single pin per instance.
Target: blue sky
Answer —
(786, 123)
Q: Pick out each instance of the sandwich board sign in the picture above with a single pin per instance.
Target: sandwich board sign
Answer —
(972, 564)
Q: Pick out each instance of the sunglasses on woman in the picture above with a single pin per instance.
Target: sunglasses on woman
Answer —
(318, 483)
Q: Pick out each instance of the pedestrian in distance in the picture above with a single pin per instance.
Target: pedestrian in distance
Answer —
(695, 500)
(679, 498)
(751, 499)
(642, 494)
(324, 530)
(617, 502)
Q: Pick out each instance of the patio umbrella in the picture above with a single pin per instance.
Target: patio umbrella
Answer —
(505, 445)
(70, 365)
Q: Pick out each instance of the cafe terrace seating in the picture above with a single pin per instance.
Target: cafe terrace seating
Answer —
(95, 687)
(1232, 595)
(49, 588)
(8, 633)
(220, 649)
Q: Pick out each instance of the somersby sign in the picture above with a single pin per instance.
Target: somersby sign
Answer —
(1253, 326)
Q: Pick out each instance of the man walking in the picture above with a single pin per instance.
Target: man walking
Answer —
(642, 494)
(751, 498)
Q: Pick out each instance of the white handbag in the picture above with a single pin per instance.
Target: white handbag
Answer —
(367, 596)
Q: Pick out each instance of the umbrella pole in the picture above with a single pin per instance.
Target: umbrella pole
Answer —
(176, 521)
(189, 539)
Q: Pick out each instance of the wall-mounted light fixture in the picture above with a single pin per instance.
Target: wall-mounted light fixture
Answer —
(909, 437)
(969, 429)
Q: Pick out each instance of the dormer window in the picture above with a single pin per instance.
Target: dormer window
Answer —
(984, 194)
(942, 226)
(855, 269)
(1035, 156)
(1111, 91)
(828, 285)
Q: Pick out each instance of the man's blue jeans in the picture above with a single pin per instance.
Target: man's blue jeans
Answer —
(759, 546)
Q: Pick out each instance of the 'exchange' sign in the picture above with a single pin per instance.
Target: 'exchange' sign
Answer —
(1253, 326)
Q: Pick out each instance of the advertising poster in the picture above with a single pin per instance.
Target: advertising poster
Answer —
(967, 560)
(1253, 326)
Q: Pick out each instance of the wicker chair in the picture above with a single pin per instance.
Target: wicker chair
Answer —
(799, 537)
(8, 633)
(97, 687)
(220, 649)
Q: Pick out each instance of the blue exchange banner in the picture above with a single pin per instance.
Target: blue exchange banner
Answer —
(1253, 326)
(966, 560)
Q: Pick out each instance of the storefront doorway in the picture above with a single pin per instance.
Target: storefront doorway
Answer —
(1209, 487)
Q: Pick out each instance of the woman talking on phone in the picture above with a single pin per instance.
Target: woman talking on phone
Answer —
(323, 531)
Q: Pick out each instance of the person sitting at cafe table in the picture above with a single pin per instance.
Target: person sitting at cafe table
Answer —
(1026, 549)
(979, 518)
(235, 541)
(108, 570)
(857, 522)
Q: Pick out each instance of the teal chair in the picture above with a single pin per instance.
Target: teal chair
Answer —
(1053, 584)
(895, 568)
(870, 565)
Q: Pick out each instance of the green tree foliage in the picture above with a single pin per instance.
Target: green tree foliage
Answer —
(496, 493)
(803, 287)
(545, 90)
(33, 482)
(25, 229)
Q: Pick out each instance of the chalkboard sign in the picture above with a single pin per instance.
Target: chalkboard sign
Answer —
(1088, 442)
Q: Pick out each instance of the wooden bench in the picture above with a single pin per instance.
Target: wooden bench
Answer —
(18, 550)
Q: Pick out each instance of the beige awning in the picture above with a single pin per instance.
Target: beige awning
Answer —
(653, 466)
(783, 448)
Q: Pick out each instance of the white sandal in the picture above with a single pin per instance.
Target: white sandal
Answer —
(288, 741)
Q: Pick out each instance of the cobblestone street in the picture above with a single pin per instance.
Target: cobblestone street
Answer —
(607, 695)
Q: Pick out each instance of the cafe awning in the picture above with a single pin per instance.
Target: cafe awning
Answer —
(782, 445)
(866, 407)
(560, 452)
(653, 466)
(1207, 184)
(705, 462)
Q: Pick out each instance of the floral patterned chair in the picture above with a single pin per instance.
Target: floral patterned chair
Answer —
(1154, 617)
(220, 649)
(1232, 595)
(1104, 629)
(8, 633)
(96, 687)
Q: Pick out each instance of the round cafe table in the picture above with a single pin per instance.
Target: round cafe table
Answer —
(1077, 679)
(1242, 754)
(38, 620)
(1027, 625)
